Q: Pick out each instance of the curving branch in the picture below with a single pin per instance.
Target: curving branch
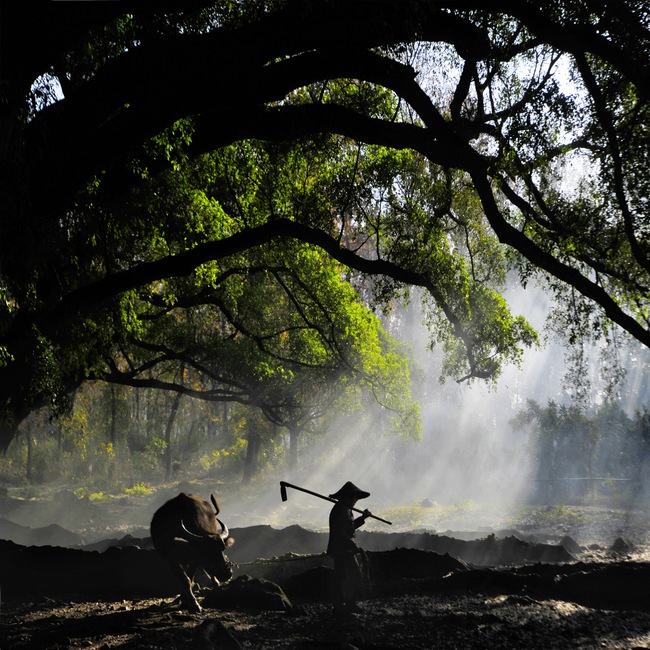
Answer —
(607, 124)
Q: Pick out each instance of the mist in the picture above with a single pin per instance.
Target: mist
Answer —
(472, 470)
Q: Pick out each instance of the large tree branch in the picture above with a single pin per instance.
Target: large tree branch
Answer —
(607, 123)
(88, 297)
(618, 36)
(510, 236)
(81, 142)
(184, 263)
(450, 151)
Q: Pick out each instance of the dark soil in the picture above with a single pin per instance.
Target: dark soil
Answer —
(472, 620)
(554, 593)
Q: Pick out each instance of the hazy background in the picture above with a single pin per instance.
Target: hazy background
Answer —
(472, 469)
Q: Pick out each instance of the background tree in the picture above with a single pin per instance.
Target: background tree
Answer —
(582, 453)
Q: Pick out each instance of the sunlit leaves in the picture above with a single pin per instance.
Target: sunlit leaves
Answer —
(171, 144)
(279, 321)
(496, 335)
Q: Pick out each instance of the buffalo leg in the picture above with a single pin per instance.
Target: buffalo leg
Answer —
(188, 599)
(185, 577)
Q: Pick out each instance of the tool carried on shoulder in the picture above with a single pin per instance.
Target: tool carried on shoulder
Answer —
(283, 493)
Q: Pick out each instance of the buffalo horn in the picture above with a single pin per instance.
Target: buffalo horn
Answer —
(191, 534)
(224, 530)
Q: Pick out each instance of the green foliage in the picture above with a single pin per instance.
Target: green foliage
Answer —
(5, 356)
(410, 517)
(279, 322)
(226, 460)
(85, 492)
(138, 490)
(148, 462)
(42, 469)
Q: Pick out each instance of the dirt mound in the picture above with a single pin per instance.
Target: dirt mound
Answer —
(256, 542)
(33, 571)
(132, 572)
(69, 598)
(249, 593)
(52, 535)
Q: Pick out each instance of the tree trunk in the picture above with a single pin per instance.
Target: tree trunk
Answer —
(252, 453)
(59, 433)
(168, 436)
(113, 415)
(28, 469)
(592, 491)
(294, 434)
(194, 427)
(136, 404)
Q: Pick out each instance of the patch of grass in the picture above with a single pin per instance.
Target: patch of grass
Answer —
(138, 490)
(409, 516)
(435, 515)
(555, 515)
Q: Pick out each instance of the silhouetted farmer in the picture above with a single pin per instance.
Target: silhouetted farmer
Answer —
(350, 566)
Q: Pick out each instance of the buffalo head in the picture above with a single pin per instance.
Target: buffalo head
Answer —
(210, 550)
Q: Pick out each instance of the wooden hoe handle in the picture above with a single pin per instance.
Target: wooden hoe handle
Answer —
(283, 493)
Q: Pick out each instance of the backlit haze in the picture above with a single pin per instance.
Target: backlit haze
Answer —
(471, 471)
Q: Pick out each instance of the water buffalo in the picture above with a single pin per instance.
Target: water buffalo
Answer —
(187, 533)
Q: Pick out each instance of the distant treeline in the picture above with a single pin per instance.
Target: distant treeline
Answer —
(579, 454)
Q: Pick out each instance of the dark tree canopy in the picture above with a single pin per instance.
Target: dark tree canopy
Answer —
(445, 140)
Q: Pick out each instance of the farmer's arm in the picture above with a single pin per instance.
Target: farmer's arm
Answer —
(360, 521)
